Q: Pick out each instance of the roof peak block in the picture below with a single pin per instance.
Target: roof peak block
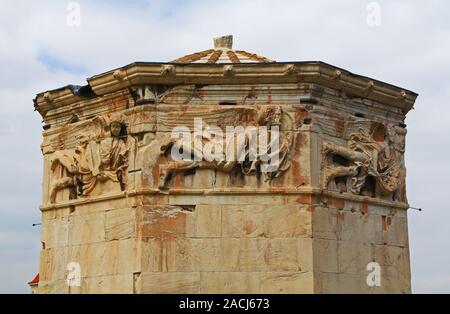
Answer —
(223, 42)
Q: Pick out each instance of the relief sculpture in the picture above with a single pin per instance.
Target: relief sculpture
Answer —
(103, 149)
(371, 162)
(265, 118)
(94, 160)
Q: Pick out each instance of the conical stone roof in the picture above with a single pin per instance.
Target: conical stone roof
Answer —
(222, 53)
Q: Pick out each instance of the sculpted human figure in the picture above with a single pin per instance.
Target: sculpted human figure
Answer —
(368, 158)
(69, 168)
(267, 117)
(92, 162)
(397, 149)
(114, 155)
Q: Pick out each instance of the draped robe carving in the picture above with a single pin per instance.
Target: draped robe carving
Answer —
(92, 161)
(369, 157)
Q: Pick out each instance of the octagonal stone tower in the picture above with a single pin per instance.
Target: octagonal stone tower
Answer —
(124, 216)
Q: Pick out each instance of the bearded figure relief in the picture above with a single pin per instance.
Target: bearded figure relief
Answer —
(93, 161)
(244, 158)
(114, 155)
(371, 164)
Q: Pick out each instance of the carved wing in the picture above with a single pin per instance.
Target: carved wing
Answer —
(168, 118)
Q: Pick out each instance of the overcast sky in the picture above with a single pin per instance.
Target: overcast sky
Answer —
(407, 44)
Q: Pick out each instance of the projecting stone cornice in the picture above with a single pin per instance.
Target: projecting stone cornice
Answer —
(140, 73)
(282, 192)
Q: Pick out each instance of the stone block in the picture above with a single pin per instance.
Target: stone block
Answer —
(112, 284)
(53, 287)
(269, 221)
(287, 221)
(230, 282)
(396, 231)
(342, 283)
(105, 258)
(286, 282)
(106, 203)
(325, 256)
(268, 255)
(347, 225)
(394, 261)
(89, 228)
(208, 221)
(305, 254)
(52, 264)
(55, 232)
(120, 224)
(353, 257)
(243, 221)
(167, 222)
(170, 282)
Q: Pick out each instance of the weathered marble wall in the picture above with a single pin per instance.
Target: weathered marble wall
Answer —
(138, 222)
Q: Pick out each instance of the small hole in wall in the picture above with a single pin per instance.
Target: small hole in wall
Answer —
(384, 223)
(341, 184)
(402, 125)
(340, 160)
(74, 119)
(258, 172)
(160, 88)
(307, 121)
(308, 100)
(188, 208)
(72, 209)
(43, 245)
(84, 91)
(80, 188)
(72, 193)
(228, 103)
(369, 187)
(190, 171)
(142, 102)
(360, 115)
(169, 178)
(140, 137)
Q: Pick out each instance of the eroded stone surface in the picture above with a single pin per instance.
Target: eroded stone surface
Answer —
(136, 220)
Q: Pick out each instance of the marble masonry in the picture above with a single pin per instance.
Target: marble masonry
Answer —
(120, 214)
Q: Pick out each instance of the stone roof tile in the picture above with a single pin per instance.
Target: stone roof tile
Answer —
(223, 53)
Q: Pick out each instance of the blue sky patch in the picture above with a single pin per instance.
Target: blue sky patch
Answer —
(56, 64)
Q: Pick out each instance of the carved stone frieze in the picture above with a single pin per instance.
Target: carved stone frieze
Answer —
(94, 155)
(97, 158)
(224, 172)
(365, 159)
(262, 121)
(153, 94)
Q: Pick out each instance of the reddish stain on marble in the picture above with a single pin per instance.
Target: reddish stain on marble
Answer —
(364, 208)
(248, 227)
(163, 227)
(336, 203)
